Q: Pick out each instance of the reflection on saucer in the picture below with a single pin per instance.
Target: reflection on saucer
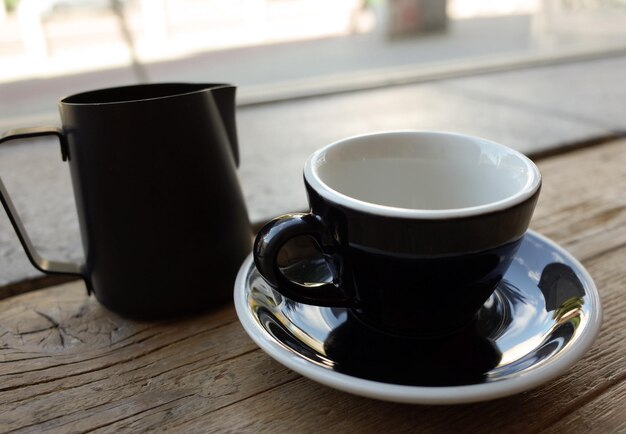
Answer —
(460, 358)
(559, 284)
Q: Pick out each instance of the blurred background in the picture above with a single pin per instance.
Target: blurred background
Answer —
(276, 49)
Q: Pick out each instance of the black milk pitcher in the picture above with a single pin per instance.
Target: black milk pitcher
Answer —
(162, 217)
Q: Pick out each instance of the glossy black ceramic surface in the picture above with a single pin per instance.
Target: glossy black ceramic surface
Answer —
(421, 296)
(537, 314)
(395, 272)
(422, 237)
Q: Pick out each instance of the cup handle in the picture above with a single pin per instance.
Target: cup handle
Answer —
(42, 264)
(273, 236)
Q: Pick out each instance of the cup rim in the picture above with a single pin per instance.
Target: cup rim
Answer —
(311, 175)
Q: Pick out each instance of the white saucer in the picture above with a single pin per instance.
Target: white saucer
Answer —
(543, 317)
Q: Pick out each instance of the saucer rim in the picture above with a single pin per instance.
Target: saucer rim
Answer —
(543, 373)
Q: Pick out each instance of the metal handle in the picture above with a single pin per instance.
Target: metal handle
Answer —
(39, 262)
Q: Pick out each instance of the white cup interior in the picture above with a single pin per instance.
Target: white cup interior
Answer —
(422, 173)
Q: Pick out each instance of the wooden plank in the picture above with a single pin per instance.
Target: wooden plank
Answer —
(583, 199)
(601, 415)
(133, 367)
(67, 364)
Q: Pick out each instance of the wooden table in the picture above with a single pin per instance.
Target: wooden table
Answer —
(68, 365)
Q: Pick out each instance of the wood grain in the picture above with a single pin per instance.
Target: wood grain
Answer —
(69, 365)
(600, 415)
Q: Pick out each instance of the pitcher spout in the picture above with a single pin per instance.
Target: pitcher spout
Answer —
(224, 97)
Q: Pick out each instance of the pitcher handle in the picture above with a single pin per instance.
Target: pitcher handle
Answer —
(39, 262)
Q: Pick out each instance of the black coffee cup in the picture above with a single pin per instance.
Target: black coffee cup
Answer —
(417, 228)
(163, 221)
